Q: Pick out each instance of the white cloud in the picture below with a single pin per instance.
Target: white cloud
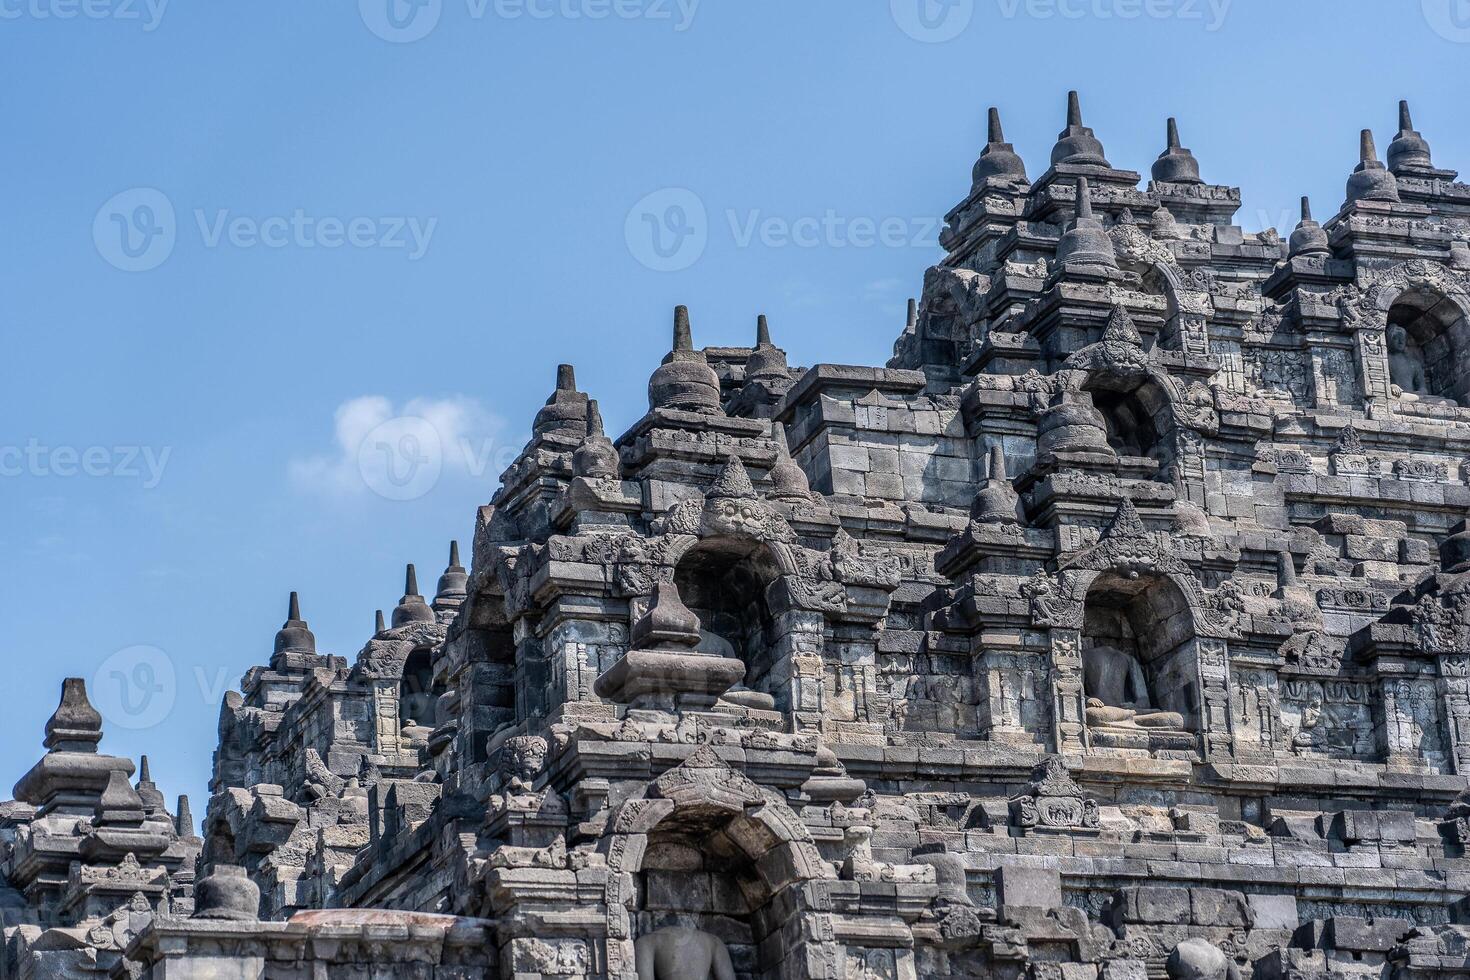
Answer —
(403, 452)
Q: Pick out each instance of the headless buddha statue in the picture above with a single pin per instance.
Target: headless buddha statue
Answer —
(1117, 692)
(678, 953)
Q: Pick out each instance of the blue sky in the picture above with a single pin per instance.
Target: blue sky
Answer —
(370, 225)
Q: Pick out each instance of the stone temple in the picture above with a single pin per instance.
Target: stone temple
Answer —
(1117, 629)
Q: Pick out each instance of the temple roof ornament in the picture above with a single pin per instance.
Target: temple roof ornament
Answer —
(1409, 151)
(1176, 165)
(684, 381)
(999, 160)
(454, 583)
(596, 458)
(1308, 238)
(1371, 181)
(75, 726)
(1086, 244)
(294, 636)
(788, 480)
(767, 362)
(412, 608)
(1076, 143)
(996, 502)
(566, 408)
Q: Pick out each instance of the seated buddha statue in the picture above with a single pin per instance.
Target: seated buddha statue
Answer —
(1117, 692)
(1406, 370)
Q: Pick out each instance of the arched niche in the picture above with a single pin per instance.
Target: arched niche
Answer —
(1159, 275)
(416, 695)
(706, 848)
(1139, 417)
(727, 583)
(1435, 338)
(1148, 619)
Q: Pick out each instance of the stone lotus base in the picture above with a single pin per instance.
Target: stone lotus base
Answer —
(669, 681)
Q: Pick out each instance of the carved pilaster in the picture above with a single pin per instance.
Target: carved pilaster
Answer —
(1216, 724)
(1454, 693)
(1069, 726)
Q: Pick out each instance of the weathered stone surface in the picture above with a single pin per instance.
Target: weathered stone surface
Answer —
(1120, 624)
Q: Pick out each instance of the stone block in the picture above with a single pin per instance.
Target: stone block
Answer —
(1354, 935)
(1274, 911)
(1361, 547)
(1024, 887)
(1217, 907)
(1151, 905)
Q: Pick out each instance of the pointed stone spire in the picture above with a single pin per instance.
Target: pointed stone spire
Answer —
(294, 636)
(596, 458)
(75, 726)
(1308, 238)
(685, 381)
(380, 624)
(1176, 165)
(667, 623)
(412, 608)
(732, 483)
(998, 161)
(1085, 243)
(453, 584)
(788, 480)
(1126, 522)
(1121, 328)
(184, 818)
(566, 409)
(996, 502)
(911, 325)
(766, 362)
(683, 332)
(119, 804)
(1286, 569)
(1408, 151)
(1371, 181)
(1076, 143)
(153, 802)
